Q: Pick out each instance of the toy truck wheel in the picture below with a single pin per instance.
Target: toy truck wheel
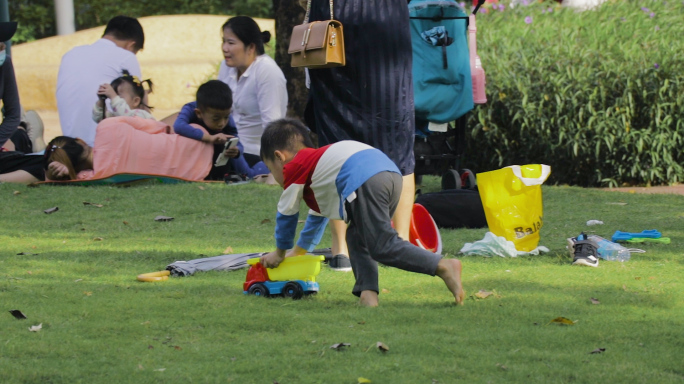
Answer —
(293, 290)
(451, 180)
(258, 289)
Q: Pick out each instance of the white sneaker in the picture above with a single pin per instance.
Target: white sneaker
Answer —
(34, 129)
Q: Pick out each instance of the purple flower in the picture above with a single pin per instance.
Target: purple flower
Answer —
(483, 10)
(651, 15)
(549, 10)
(645, 9)
(526, 2)
(501, 7)
(461, 4)
(543, 10)
(656, 66)
(528, 20)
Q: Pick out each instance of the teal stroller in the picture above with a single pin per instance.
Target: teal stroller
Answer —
(443, 90)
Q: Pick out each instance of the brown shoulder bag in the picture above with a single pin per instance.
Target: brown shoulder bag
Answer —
(319, 44)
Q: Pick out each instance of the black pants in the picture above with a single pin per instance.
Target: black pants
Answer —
(371, 238)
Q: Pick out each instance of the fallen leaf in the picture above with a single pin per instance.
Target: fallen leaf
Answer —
(385, 290)
(177, 348)
(201, 188)
(233, 358)
(77, 280)
(29, 272)
(301, 221)
(145, 322)
(624, 287)
(17, 193)
(637, 278)
(160, 370)
(87, 293)
(140, 367)
(482, 294)
(363, 380)
(617, 203)
(381, 346)
(97, 239)
(651, 278)
(19, 315)
(26, 254)
(361, 322)
(228, 250)
(150, 347)
(595, 301)
(503, 367)
(163, 218)
(93, 204)
(339, 346)
(264, 221)
(125, 222)
(597, 350)
(50, 210)
(36, 328)
(563, 321)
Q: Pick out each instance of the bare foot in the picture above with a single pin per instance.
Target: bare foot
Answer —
(450, 271)
(368, 299)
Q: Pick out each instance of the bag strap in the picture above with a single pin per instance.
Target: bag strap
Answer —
(530, 181)
(308, 11)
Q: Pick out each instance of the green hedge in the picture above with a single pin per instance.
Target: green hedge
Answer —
(37, 17)
(598, 95)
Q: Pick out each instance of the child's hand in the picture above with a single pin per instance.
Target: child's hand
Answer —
(57, 170)
(219, 138)
(232, 153)
(273, 259)
(106, 90)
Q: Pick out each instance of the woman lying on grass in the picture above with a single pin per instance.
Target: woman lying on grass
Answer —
(126, 145)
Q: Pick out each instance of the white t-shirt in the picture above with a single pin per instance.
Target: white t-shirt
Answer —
(81, 72)
(259, 97)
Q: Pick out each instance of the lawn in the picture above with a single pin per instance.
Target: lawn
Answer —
(73, 271)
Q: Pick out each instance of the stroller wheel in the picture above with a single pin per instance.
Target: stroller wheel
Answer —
(451, 180)
(468, 180)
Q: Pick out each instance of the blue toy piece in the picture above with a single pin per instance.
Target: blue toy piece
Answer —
(647, 234)
(294, 289)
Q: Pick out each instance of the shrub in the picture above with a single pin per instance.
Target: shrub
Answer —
(598, 95)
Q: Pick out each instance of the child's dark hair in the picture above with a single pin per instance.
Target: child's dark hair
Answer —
(214, 94)
(126, 28)
(137, 85)
(284, 134)
(248, 31)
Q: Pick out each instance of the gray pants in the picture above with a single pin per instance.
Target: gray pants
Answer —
(371, 238)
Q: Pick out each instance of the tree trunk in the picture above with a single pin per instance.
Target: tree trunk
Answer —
(289, 13)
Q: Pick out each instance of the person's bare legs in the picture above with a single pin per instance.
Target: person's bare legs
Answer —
(402, 216)
(338, 229)
(449, 270)
(368, 299)
(21, 177)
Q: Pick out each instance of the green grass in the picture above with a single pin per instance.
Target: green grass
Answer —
(101, 326)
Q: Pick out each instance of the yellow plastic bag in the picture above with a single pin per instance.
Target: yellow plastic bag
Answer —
(512, 201)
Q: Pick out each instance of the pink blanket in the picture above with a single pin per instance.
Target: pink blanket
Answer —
(143, 146)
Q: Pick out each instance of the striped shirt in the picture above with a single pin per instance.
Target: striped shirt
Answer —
(324, 178)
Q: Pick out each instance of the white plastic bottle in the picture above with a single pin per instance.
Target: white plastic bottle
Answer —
(610, 251)
(476, 71)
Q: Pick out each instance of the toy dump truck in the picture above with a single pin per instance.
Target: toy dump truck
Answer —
(295, 277)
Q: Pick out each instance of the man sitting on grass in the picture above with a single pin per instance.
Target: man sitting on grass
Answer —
(351, 181)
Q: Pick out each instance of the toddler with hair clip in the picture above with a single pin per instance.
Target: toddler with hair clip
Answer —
(127, 97)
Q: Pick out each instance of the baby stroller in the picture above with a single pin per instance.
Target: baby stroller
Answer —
(443, 90)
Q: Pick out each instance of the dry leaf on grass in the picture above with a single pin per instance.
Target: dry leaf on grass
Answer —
(201, 188)
(51, 210)
(616, 203)
(637, 278)
(36, 328)
(17, 193)
(483, 294)
(595, 301)
(97, 239)
(177, 348)
(87, 293)
(362, 380)
(264, 221)
(160, 370)
(597, 350)
(503, 367)
(19, 315)
(77, 280)
(563, 321)
(385, 290)
(93, 204)
(339, 346)
(163, 218)
(26, 254)
(228, 250)
(150, 347)
(381, 346)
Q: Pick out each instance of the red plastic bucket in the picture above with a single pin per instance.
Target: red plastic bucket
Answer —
(423, 231)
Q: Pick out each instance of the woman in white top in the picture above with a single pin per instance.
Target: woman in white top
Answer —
(258, 84)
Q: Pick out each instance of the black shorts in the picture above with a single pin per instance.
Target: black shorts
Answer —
(18, 161)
